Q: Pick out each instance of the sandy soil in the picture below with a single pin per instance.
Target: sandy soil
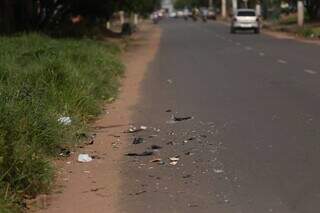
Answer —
(94, 186)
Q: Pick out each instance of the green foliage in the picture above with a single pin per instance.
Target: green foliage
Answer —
(42, 79)
(181, 4)
(309, 32)
(142, 7)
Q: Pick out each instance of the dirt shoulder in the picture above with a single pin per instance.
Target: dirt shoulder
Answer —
(94, 186)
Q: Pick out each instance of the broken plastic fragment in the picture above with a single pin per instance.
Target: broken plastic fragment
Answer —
(182, 118)
(65, 120)
(137, 140)
(145, 153)
(84, 158)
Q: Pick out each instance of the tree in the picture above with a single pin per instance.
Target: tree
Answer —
(30, 15)
(313, 7)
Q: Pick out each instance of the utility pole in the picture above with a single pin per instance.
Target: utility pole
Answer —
(234, 6)
(210, 4)
(300, 13)
(224, 9)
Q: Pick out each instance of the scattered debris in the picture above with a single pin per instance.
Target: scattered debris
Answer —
(138, 140)
(91, 140)
(145, 153)
(218, 171)
(174, 160)
(173, 163)
(65, 152)
(84, 158)
(156, 147)
(189, 153)
(143, 127)
(181, 118)
(186, 176)
(141, 192)
(168, 110)
(170, 143)
(169, 81)
(152, 136)
(135, 129)
(65, 120)
(157, 160)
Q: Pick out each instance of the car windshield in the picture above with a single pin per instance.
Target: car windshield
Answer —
(246, 13)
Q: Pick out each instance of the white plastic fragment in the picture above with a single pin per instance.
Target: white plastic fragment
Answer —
(84, 158)
(143, 127)
(173, 163)
(218, 171)
(174, 159)
(65, 120)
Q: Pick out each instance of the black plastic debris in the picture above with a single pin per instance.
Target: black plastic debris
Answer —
(65, 152)
(141, 192)
(145, 153)
(138, 140)
(170, 143)
(186, 176)
(181, 118)
(168, 110)
(156, 147)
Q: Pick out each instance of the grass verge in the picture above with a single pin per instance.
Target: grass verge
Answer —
(41, 80)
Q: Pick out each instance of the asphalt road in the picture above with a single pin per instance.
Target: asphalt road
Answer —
(253, 145)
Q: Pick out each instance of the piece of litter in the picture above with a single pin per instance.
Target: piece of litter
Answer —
(174, 159)
(156, 147)
(143, 127)
(84, 158)
(168, 110)
(65, 120)
(169, 81)
(157, 160)
(135, 129)
(137, 140)
(173, 163)
(145, 153)
(218, 171)
(182, 118)
(141, 192)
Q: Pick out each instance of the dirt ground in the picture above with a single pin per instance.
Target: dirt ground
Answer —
(94, 186)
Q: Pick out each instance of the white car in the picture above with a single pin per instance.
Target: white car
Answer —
(245, 19)
(179, 13)
(173, 15)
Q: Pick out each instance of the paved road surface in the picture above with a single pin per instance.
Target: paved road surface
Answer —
(253, 145)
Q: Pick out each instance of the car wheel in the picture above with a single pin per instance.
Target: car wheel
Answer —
(257, 31)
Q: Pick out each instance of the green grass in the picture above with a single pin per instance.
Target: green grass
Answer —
(42, 79)
(309, 32)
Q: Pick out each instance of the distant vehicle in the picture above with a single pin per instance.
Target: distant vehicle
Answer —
(212, 14)
(160, 14)
(173, 15)
(180, 14)
(245, 19)
(155, 17)
(186, 14)
(204, 14)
